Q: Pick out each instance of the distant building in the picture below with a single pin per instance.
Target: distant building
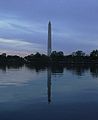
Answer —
(49, 39)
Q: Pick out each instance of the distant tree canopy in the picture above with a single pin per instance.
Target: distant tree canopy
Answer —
(37, 58)
(78, 53)
(55, 57)
(94, 53)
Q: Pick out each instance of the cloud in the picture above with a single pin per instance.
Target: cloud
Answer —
(19, 25)
(74, 22)
(16, 46)
(13, 42)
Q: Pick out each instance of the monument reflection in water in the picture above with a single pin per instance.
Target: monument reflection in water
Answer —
(49, 84)
(24, 92)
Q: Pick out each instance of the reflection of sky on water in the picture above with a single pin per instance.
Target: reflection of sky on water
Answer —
(70, 87)
(27, 86)
(17, 85)
(38, 94)
(18, 76)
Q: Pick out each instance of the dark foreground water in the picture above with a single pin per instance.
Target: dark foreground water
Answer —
(69, 93)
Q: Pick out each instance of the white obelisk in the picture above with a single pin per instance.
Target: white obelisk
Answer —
(49, 39)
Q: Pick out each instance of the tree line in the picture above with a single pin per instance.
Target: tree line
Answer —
(55, 58)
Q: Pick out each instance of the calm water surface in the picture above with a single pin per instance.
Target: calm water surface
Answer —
(46, 94)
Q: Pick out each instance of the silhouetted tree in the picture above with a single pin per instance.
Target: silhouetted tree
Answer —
(57, 56)
(78, 53)
(94, 53)
(3, 58)
(37, 59)
(14, 60)
(37, 55)
(94, 56)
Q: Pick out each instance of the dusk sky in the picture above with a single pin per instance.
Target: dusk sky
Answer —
(23, 25)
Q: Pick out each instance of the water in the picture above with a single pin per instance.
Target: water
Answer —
(69, 93)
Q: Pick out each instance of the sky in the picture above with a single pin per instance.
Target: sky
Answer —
(24, 25)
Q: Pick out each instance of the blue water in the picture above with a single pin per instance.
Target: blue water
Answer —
(48, 94)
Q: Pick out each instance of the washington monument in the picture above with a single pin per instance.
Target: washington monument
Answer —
(49, 39)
